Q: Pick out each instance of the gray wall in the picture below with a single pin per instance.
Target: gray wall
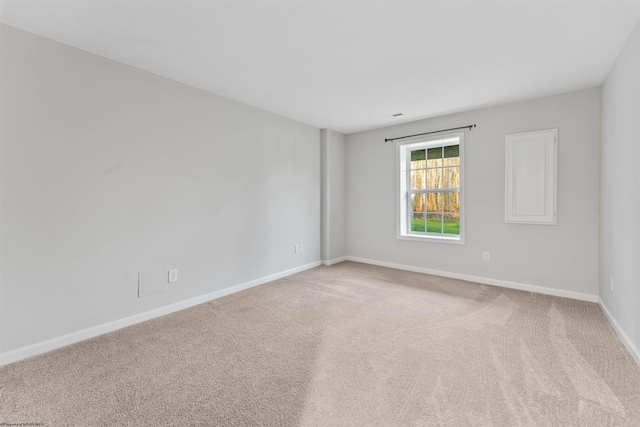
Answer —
(107, 170)
(562, 257)
(620, 191)
(334, 245)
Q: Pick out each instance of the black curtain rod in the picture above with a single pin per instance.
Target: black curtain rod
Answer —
(427, 133)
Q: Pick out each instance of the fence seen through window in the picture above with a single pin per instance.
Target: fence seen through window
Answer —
(435, 190)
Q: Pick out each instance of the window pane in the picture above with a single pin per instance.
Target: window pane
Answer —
(452, 151)
(418, 181)
(418, 159)
(451, 177)
(452, 155)
(451, 202)
(434, 178)
(434, 202)
(417, 222)
(417, 202)
(452, 224)
(418, 155)
(434, 157)
(452, 161)
(434, 223)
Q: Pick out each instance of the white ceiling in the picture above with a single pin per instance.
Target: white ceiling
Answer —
(344, 65)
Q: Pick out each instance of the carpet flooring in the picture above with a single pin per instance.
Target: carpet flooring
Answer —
(346, 345)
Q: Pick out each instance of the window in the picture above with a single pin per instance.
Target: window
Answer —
(430, 189)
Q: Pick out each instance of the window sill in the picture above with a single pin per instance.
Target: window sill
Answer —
(432, 239)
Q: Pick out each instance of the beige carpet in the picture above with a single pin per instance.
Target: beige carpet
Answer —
(347, 345)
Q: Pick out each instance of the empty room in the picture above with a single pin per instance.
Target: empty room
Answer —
(319, 213)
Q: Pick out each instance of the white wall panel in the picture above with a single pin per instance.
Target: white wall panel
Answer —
(530, 177)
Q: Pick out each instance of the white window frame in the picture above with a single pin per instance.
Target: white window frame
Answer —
(403, 183)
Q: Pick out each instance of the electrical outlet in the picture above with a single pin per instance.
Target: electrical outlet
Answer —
(173, 276)
(297, 248)
(611, 283)
(486, 256)
(301, 248)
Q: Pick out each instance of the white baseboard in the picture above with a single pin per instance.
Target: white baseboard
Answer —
(334, 261)
(635, 353)
(484, 280)
(74, 337)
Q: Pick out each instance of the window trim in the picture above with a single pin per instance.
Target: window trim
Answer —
(402, 193)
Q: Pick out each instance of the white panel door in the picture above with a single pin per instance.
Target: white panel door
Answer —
(530, 179)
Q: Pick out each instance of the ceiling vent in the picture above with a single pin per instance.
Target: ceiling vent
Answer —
(390, 116)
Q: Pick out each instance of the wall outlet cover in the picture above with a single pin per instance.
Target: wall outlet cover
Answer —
(173, 276)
